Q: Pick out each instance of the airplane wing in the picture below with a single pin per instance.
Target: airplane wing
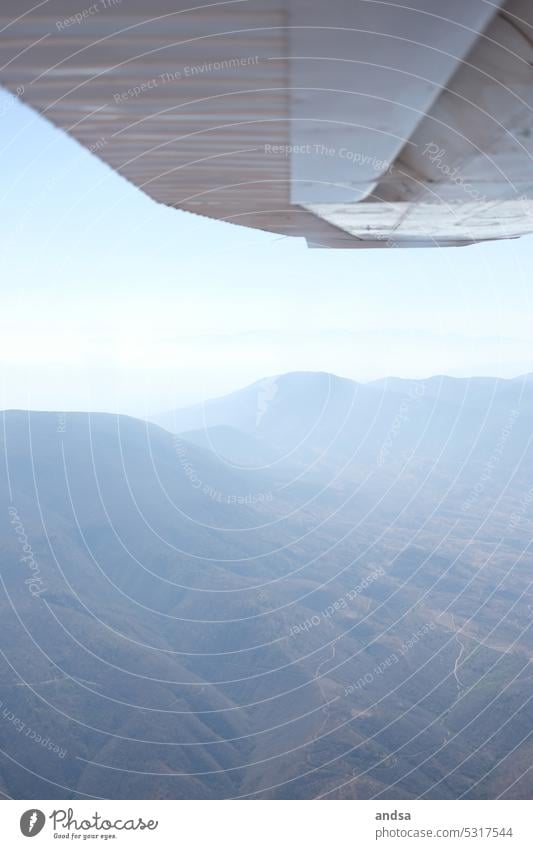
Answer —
(352, 123)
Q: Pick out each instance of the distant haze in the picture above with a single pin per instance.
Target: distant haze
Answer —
(313, 588)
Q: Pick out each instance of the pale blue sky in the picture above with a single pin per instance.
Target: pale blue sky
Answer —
(112, 302)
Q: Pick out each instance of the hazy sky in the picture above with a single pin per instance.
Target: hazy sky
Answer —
(112, 302)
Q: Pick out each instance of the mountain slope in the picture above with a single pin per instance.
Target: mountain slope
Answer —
(174, 627)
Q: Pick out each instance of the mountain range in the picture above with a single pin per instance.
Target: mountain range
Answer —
(308, 588)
